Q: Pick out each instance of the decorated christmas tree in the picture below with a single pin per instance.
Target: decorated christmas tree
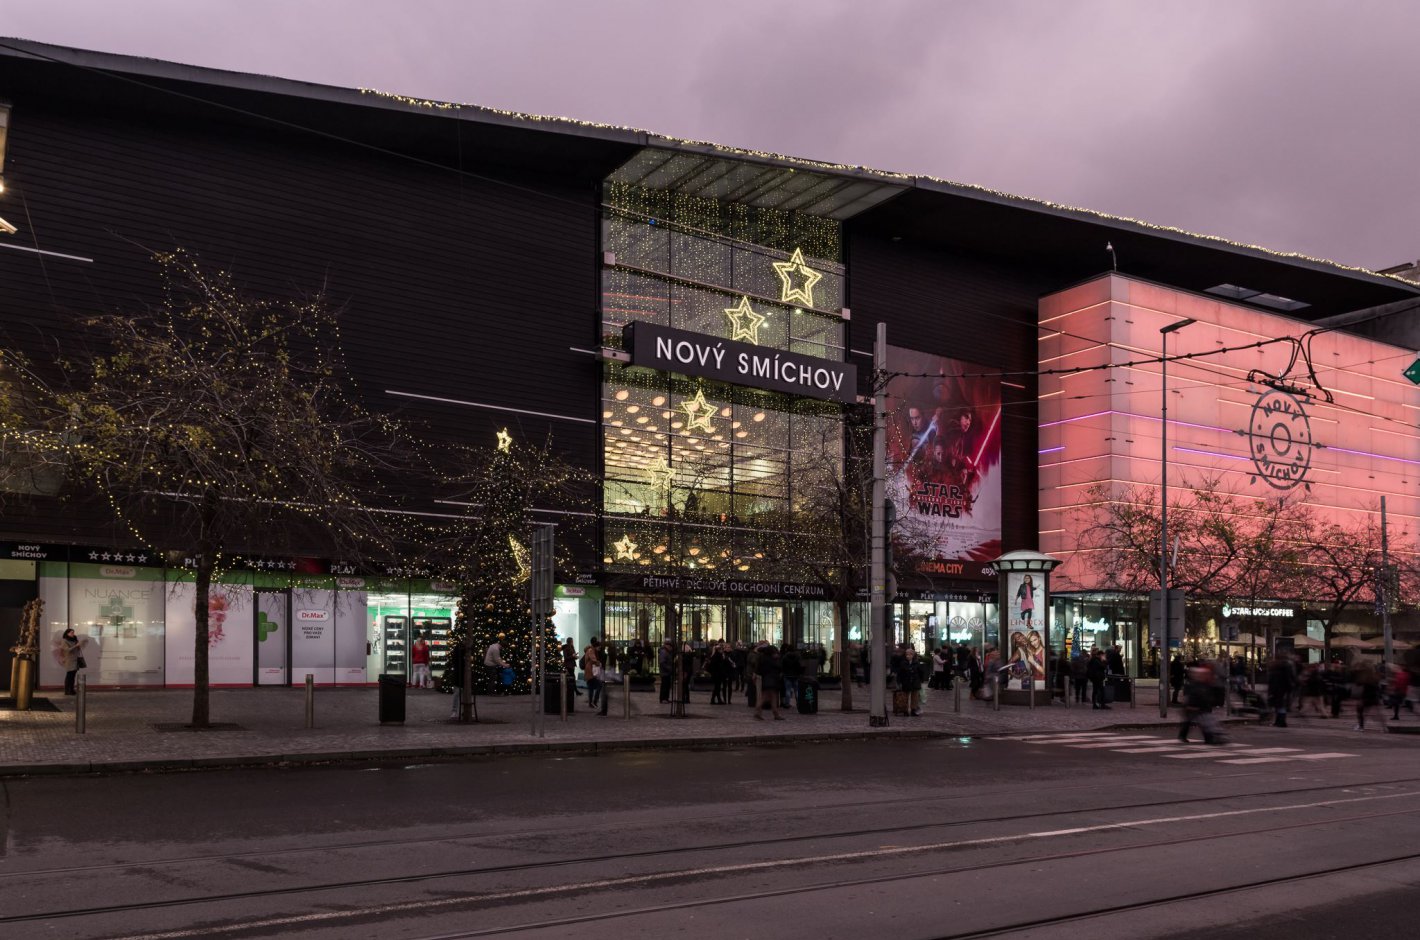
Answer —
(492, 570)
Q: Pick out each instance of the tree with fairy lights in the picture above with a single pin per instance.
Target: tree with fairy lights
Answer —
(487, 556)
(216, 423)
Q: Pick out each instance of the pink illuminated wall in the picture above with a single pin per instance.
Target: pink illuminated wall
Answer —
(1103, 426)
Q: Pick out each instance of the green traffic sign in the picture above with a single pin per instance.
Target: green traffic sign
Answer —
(1413, 373)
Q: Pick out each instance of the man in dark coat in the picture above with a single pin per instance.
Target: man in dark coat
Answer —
(1095, 671)
(1281, 686)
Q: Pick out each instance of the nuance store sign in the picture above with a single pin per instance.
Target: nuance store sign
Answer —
(699, 355)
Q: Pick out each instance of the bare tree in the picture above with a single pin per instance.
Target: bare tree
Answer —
(217, 423)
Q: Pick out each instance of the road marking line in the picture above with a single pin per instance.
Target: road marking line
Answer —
(1256, 760)
(1275, 750)
(1327, 756)
(1157, 749)
(1196, 755)
(649, 878)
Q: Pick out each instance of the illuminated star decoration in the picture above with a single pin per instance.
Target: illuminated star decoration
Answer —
(661, 474)
(744, 322)
(787, 271)
(625, 548)
(505, 441)
(698, 412)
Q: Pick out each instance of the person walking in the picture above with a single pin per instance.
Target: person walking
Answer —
(907, 669)
(942, 661)
(1399, 690)
(1095, 671)
(494, 663)
(1176, 676)
(1281, 685)
(71, 652)
(592, 671)
(569, 664)
(665, 665)
(1078, 664)
(1368, 694)
(419, 659)
(793, 666)
(1313, 688)
(453, 677)
(1201, 694)
(771, 679)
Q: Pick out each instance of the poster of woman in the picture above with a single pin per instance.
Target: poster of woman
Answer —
(1026, 651)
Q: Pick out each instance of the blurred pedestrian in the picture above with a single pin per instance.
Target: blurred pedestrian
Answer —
(665, 665)
(592, 668)
(771, 679)
(1096, 670)
(907, 668)
(1201, 694)
(1281, 684)
(1367, 683)
(1313, 688)
(1177, 675)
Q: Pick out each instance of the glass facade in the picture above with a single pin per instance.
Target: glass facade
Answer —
(705, 479)
(139, 625)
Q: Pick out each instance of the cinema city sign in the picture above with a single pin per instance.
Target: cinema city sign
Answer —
(702, 356)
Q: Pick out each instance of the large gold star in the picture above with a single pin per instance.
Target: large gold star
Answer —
(661, 474)
(625, 548)
(744, 322)
(698, 412)
(505, 441)
(788, 270)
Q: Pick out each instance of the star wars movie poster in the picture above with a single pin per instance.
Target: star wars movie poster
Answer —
(944, 461)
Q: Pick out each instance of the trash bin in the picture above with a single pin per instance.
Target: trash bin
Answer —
(391, 700)
(808, 696)
(549, 694)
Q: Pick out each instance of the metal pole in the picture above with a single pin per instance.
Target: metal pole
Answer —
(877, 581)
(81, 706)
(465, 692)
(562, 683)
(626, 694)
(1385, 593)
(1164, 509)
(310, 700)
(1164, 521)
(956, 695)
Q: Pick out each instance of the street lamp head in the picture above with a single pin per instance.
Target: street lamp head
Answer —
(1175, 327)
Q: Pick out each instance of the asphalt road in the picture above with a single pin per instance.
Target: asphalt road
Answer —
(1307, 832)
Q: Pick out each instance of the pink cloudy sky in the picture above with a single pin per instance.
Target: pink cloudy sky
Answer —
(1285, 123)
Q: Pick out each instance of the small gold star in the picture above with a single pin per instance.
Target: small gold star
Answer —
(505, 441)
(661, 474)
(787, 270)
(625, 548)
(698, 412)
(744, 321)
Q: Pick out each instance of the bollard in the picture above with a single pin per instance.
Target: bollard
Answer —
(996, 693)
(81, 700)
(23, 692)
(956, 696)
(626, 693)
(562, 691)
(1030, 696)
(1133, 688)
(310, 700)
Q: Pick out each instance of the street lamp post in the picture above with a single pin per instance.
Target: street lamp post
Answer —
(1164, 513)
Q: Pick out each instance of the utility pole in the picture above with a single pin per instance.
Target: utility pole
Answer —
(877, 580)
(1164, 512)
(1385, 591)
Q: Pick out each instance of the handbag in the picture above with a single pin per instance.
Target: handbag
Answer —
(508, 675)
(81, 664)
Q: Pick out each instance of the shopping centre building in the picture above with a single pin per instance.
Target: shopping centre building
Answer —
(691, 323)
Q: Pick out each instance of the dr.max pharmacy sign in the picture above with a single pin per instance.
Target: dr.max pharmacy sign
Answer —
(699, 355)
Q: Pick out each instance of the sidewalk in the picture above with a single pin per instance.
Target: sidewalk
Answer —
(142, 730)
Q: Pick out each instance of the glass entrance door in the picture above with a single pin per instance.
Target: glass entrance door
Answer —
(273, 637)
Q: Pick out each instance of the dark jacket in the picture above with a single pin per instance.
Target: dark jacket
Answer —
(908, 673)
(770, 669)
(1095, 670)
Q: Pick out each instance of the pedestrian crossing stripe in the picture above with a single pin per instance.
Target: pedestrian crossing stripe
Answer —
(1231, 753)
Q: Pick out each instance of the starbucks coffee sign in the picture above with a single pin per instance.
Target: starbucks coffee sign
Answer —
(702, 356)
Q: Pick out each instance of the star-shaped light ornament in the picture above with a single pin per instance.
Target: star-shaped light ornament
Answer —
(698, 412)
(661, 474)
(744, 321)
(505, 441)
(625, 548)
(792, 269)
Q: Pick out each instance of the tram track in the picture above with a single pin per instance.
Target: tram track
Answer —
(915, 801)
(545, 892)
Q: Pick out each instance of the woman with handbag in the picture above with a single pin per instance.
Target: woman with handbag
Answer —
(71, 651)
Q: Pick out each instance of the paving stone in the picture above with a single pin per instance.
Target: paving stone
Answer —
(270, 728)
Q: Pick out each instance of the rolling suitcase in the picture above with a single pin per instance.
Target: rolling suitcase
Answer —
(899, 703)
